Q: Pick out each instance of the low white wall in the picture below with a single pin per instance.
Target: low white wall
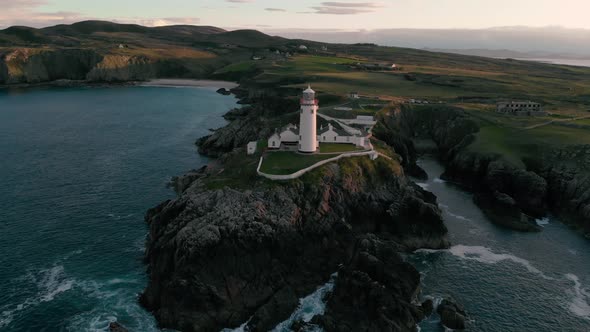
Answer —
(314, 166)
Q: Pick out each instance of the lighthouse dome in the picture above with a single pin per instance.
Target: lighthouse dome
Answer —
(309, 90)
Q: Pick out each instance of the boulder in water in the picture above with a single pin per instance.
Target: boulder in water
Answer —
(116, 327)
(451, 315)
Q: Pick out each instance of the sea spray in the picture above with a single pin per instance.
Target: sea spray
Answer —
(309, 306)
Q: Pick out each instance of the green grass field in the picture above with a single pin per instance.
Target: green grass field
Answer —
(561, 89)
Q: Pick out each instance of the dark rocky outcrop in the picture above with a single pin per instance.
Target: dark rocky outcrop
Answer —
(503, 210)
(116, 327)
(267, 113)
(374, 292)
(224, 91)
(218, 257)
(451, 314)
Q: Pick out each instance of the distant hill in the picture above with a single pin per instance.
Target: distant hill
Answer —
(92, 33)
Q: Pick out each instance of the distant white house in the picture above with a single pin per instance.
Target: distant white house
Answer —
(252, 147)
(302, 47)
(353, 95)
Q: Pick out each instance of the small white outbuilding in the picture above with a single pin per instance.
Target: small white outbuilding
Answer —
(252, 147)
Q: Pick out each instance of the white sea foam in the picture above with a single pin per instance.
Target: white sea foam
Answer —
(423, 185)
(309, 306)
(439, 180)
(53, 283)
(116, 302)
(580, 302)
(241, 328)
(50, 283)
(542, 222)
(457, 216)
(485, 255)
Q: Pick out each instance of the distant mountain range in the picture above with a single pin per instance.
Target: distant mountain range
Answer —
(505, 42)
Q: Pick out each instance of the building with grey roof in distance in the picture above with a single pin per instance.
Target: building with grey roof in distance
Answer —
(520, 108)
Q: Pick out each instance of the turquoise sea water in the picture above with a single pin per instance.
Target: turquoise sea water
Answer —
(78, 169)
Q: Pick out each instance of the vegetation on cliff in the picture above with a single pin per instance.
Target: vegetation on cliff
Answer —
(519, 173)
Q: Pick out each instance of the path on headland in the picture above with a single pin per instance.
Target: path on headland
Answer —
(556, 120)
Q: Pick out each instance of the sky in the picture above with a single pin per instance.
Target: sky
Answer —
(304, 14)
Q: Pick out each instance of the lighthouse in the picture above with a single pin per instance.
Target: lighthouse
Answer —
(308, 140)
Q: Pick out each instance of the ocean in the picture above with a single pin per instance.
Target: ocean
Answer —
(78, 169)
(569, 62)
(506, 280)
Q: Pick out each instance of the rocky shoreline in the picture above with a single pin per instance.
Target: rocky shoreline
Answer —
(511, 196)
(222, 256)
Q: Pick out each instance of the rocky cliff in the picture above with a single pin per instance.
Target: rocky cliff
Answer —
(24, 65)
(266, 111)
(220, 257)
(556, 181)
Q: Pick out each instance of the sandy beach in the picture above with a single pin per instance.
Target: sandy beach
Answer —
(190, 83)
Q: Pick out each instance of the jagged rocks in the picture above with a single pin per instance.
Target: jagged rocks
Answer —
(503, 210)
(218, 257)
(374, 291)
(224, 91)
(427, 307)
(116, 327)
(451, 315)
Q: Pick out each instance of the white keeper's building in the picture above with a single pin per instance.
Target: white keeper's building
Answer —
(306, 137)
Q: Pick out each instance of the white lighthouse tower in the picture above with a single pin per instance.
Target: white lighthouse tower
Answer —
(308, 140)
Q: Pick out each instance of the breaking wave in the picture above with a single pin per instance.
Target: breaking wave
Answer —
(485, 255)
(457, 216)
(50, 283)
(542, 222)
(309, 306)
(580, 302)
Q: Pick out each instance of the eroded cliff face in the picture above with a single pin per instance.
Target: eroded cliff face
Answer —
(25, 65)
(555, 182)
(218, 257)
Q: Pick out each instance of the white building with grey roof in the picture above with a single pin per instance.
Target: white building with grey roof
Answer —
(307, 137)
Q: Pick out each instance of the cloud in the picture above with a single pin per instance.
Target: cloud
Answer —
(275, 9)
(352, 4)
(346, 8)
(239, 1)
(29, 13)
